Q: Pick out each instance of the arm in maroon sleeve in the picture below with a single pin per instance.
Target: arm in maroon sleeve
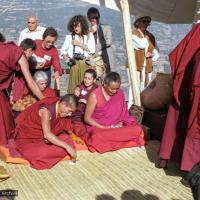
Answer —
(15, 54)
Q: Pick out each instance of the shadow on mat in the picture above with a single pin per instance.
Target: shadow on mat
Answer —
(152, 151)
(129, 195)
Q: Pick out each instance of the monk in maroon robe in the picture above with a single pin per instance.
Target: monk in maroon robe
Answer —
(181, 137)
(20, 88)
(39, 132)
(109, 125)
(11, 60)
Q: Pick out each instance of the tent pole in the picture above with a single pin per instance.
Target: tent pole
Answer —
(197, 14)
(130, 51)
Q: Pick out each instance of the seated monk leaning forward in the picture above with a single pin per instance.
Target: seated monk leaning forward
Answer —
(109, 125)
(39, 131)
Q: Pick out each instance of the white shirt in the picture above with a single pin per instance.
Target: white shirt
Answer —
(67, 47)
(34, 35)
(142, 43)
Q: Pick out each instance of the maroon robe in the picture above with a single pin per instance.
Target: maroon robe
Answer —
(29, 135)
(78, 116)
(110, 113)
(49, 92)
(20, 88)
(9, 56)
(181, 137)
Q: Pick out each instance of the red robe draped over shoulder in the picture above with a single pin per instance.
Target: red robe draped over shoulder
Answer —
(110, 114)
(20, 88)
(9, 56)
(49, 92)
(29, 135)
(181, 137)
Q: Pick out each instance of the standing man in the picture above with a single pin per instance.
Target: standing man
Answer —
(33, 31)
(103, 38)
(46, 54)
(181, 136)
(145, 50)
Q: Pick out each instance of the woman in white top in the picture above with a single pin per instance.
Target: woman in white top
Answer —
(78, 46)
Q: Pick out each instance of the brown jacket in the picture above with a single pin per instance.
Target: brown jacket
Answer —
(140, 54)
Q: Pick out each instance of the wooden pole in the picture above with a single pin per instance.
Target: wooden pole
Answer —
(130, 52)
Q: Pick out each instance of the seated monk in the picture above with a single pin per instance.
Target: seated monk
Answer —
(41, 80)
(39, 131)
(82, 92)
(109, 125)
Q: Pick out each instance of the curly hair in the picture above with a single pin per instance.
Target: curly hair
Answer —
(74, 21)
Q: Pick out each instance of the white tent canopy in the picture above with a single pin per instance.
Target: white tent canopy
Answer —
(167, 11)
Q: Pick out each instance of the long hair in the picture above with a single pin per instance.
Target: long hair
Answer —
(74, 21)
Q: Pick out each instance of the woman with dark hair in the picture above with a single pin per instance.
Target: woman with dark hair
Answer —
(39, 131)
(103, 38)
(46, 54)
(78, 45)
(82, 92)
(109, 125)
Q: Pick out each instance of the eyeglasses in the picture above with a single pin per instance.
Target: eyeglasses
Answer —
(94, 18)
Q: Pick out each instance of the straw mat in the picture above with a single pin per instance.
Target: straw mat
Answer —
(127, 174)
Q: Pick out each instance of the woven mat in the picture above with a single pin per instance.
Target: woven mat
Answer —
(127, 174)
